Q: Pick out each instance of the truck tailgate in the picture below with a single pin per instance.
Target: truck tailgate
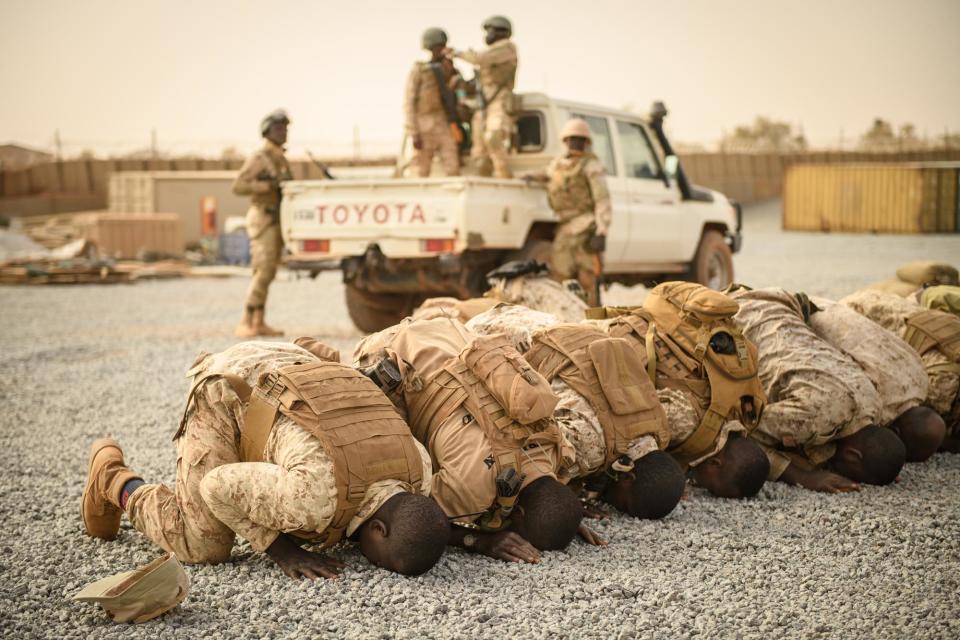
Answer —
(326, 219)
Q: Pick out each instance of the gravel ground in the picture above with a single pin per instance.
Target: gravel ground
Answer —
(80, 362)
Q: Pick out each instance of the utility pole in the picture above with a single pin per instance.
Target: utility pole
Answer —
(58, 144)
(153, 143)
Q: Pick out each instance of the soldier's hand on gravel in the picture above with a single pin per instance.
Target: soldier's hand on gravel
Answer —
(417, 142)
(825, 481)
(594, 512)
(590, 536)
(509, 546)
(598, 244)
(300, 563)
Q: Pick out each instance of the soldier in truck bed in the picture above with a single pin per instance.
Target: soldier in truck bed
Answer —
(260, 178)
(430, 108)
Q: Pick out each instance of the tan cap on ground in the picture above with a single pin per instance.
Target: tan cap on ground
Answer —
(141, 594)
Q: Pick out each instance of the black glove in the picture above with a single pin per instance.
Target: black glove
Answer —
(598, 244)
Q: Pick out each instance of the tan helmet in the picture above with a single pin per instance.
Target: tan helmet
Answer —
(498, 22)
(576, 127)
(432, 37)
(141, 594)
(279, 115)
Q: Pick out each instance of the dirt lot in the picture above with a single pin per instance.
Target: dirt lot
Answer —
(86, 361)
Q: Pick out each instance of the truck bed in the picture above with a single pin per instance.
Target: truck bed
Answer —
(407, 218)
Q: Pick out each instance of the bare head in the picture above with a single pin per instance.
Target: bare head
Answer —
(922, 431)
(547, 514)
(873, 455)
(406, 535)
(736, 471)
(651, 490)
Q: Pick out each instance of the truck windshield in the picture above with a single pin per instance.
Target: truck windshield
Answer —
(601, 147)
(639, 159)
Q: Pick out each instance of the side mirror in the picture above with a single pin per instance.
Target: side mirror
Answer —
(670, 164)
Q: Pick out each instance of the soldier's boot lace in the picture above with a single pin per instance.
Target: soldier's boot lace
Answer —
(261, 327)
(106, 475)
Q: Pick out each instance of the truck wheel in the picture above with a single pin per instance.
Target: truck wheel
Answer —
(373, 312)
(713, 264)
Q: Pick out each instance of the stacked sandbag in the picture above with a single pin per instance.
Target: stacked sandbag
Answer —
(914, 276)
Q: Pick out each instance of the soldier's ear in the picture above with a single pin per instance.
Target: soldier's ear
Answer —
(379, 528)
(853, 455)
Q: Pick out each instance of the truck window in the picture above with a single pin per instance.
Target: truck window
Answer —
(530, 132)
(639, 159)
(601, 146)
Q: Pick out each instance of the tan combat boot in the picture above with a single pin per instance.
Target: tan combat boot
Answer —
(106, 475)
(246, 328)
(261, 327)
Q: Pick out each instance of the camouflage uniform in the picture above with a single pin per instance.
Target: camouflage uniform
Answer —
(892, 365)
(891, 312)
(576, 418)
(218, 496)
(263, 216)
(815, 393)
(492, 126)
(542, 294)
(464, 479)
(577, 190)
(424, 116)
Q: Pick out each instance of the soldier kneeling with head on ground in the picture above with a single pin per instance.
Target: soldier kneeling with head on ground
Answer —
(280, 443)
(608, 410)
(819, 428)
(705, 373)
(485, 416)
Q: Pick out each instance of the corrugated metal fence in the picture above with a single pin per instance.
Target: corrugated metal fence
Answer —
(746, 177)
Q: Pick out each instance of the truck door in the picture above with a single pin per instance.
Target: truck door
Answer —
(655, 223)
(602, 147)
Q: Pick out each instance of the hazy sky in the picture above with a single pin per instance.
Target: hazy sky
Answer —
(204, 72)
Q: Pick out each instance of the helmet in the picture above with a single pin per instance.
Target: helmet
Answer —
(432, 37)
(278, 115)
(576, 127)
(498, 22)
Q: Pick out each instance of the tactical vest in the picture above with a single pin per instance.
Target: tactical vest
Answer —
(502, 75)
(568, 190)
(675, 332)
(357, 425)
(931, 329)
(609, 374)
(509, 400)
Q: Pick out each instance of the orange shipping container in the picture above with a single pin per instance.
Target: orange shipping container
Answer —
(877, 198)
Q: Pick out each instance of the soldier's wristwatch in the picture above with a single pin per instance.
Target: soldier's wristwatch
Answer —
(470, 541)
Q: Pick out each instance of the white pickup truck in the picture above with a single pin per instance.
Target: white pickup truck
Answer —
(401, 240)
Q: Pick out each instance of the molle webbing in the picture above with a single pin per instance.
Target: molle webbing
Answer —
(357, 425)
(607, 372)
(931, 329)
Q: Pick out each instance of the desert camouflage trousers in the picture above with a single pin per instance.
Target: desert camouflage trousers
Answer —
(437, 140)
(180, 521)
(571, 259)
(265, 251)
(491, 129)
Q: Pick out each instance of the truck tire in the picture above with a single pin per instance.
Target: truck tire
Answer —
(713, 264)
(373, 312)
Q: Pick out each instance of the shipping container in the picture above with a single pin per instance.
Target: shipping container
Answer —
(132, 235)
(877, 198)
(186, 193)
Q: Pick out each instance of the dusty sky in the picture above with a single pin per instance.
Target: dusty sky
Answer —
(204, 72)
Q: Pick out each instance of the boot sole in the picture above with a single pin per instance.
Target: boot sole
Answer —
(97, 446)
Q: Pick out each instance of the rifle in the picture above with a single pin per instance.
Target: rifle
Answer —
(323, 168)
(449, 100)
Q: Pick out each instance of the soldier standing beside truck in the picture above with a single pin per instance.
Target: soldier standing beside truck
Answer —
(260, 178)
(492, 124)
(430, 108)
(577, 191)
